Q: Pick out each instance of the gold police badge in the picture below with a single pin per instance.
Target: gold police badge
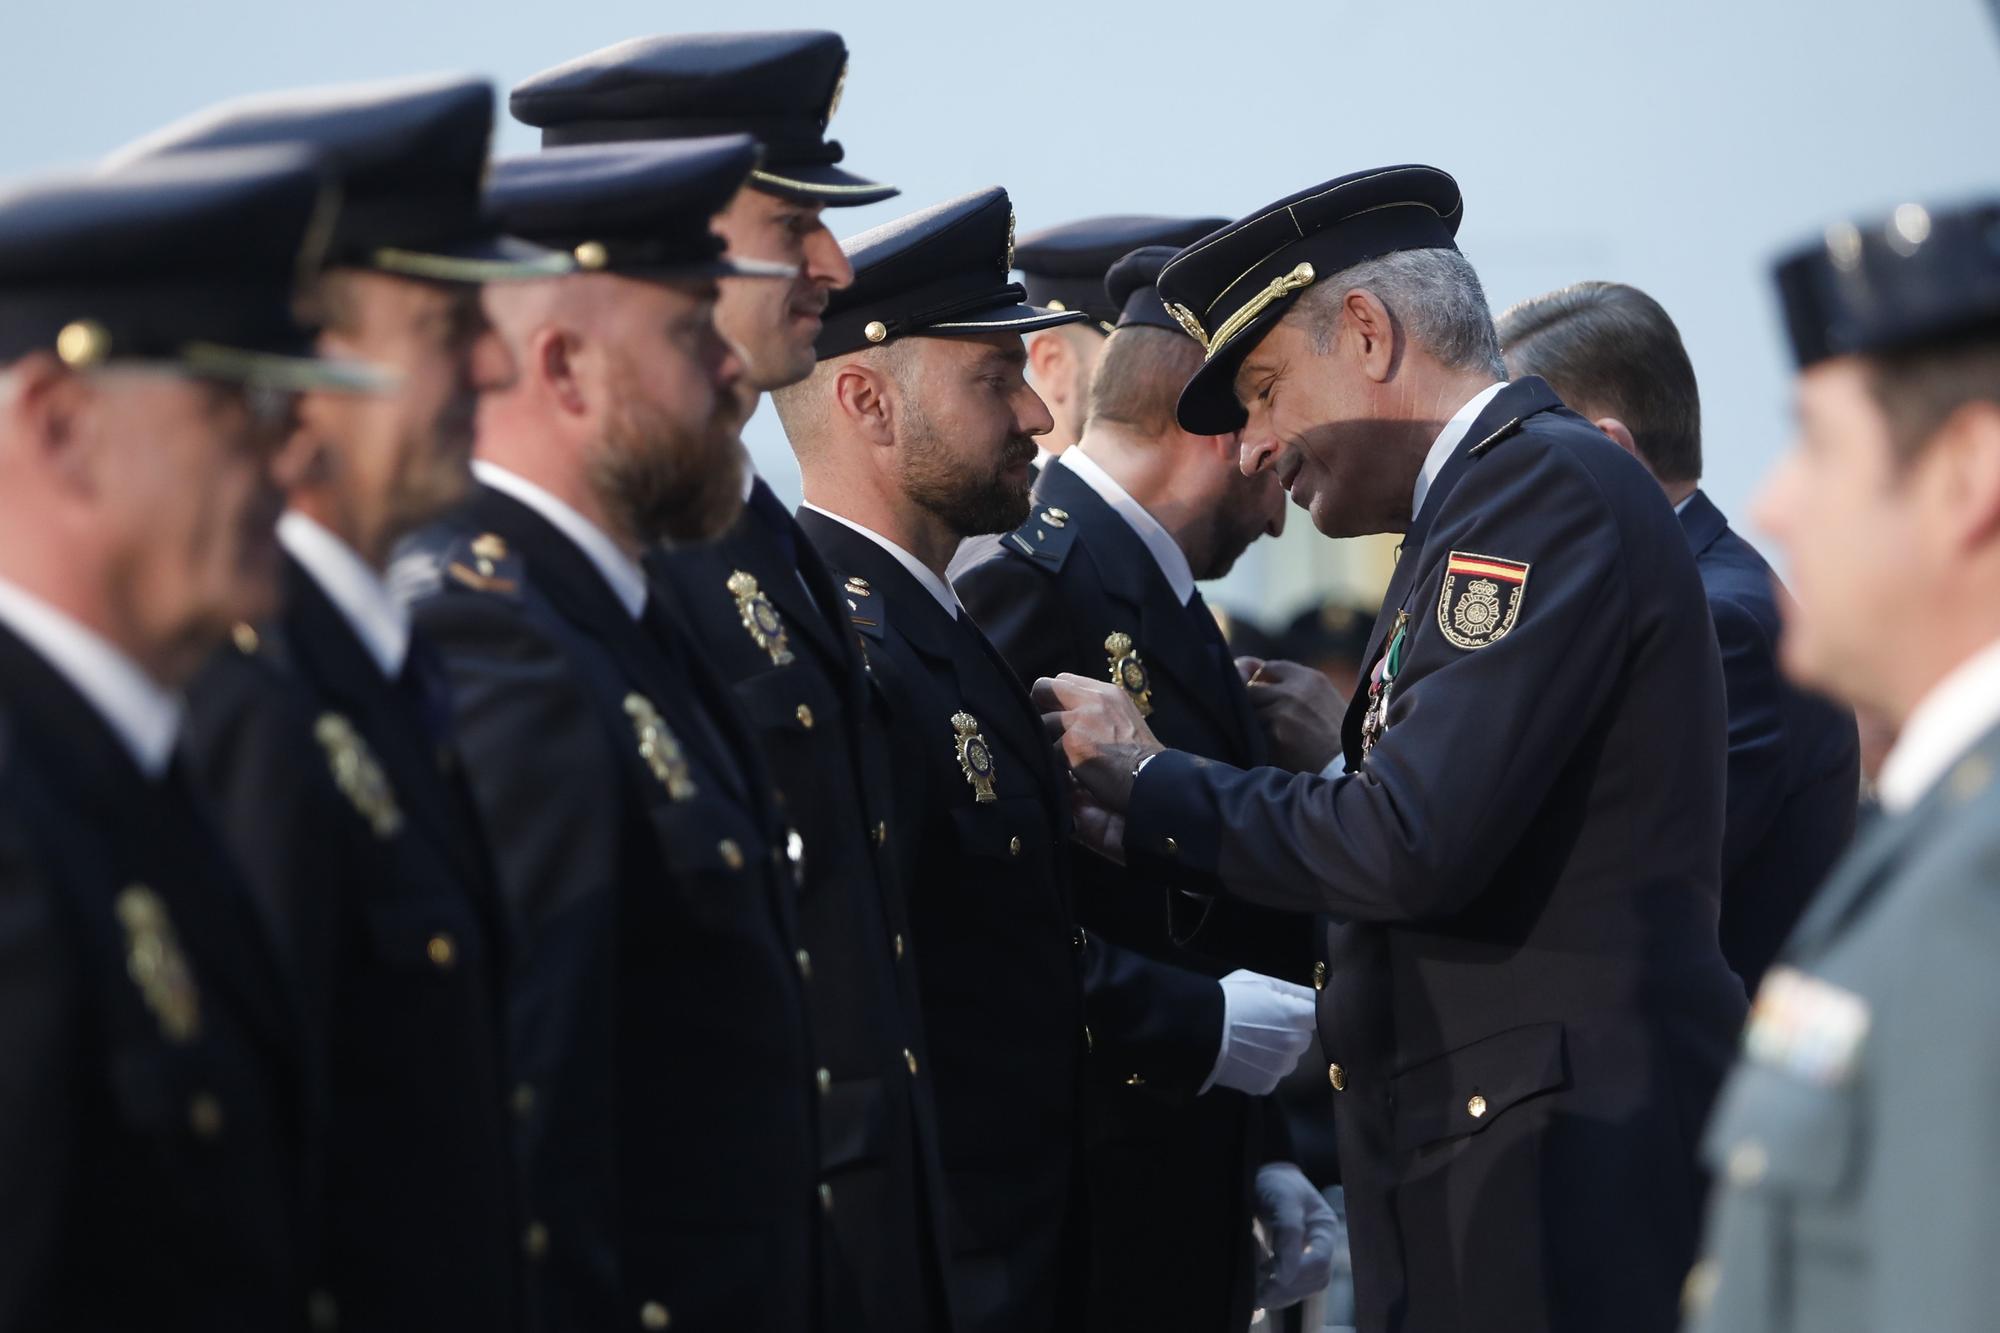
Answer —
(975, 756)
(1481, 598)
(358, 775)
(1128, 672)
(760, 617)
(154, 961)
(659, 747)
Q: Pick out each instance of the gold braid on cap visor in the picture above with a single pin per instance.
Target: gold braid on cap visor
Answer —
(1283, 285)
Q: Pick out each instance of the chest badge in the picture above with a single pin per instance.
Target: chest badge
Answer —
(358, 774)
(1481, 599)
(760, 617)
(154, 961)
(660, 748)
(975, 756)
(1128, 672)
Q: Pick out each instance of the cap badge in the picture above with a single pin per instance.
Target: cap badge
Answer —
(1128, 672)
(1185, 318)
(760, 618)
(975, 757)
(659, 747)
(839, 87)
(357, 773)
(1008, 267)
(1487, 605)
(154, 961)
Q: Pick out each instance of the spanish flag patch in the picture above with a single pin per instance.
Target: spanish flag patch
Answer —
(1481, 598)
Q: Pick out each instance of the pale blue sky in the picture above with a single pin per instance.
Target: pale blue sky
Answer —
(1672, 145)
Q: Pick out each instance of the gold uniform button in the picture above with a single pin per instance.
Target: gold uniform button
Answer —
(1135, 1080)
(322, 1315)
(1338, 1077)
(1747, 1163)
(1319, 976)
(245, 638)
(205, 1115)
(1475, 1106)
(823, 1080)
(1173, 848)
(535, 1240)
(910, 1059)
(732, 855)
(826, 1198)
(1014, 845)
(523, 1100)
(1698, 1292)
(654, 1315)
(805, 961)
(875, 331)
(881, 832)
(441, 949)
(805, 716)
(899, 946)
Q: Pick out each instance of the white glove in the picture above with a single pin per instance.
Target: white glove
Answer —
(1303, 1232)
(1266, 1026)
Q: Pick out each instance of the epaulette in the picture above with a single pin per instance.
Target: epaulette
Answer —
(481, 563)
(1046, 536)
(865, 606)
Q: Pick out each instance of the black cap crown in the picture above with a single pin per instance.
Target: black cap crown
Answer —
(1892, 283)
(1064, 267)
(781, 88)
(1133, 287)
(635, 208)
(1230, 288)
(941, 271)
(409, 155)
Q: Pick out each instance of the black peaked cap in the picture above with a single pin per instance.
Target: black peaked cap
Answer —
(1132, 286)
(1229, 289)
(781, 88)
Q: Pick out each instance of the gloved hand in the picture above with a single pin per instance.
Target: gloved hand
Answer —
(1266, 1026)
(1303, 1233)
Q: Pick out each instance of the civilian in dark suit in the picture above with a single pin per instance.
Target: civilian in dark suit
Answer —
(319, 739)
(1612, 354)
(659, 999)
(153, 1065)
(1096, 581)
(1526, 1008)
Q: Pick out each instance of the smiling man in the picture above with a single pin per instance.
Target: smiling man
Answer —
(1526, 1007)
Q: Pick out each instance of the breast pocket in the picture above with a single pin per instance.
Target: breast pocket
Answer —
(1464, 1091)
(432, 936)
(1010, 830)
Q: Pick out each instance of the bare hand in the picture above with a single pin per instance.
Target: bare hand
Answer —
(1099, 731)
(1299, 709)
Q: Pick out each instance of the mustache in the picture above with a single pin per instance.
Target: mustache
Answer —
(1020, 449)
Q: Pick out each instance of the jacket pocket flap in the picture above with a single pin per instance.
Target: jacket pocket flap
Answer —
(1463, 1091)
(1010, 827)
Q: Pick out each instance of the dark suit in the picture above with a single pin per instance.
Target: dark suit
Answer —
(1170, 1173)
(658, 1010)
(394, 934)
(995, 947)
(1526, 1004)
(152, 1130)
(1794, 758)
(805, 695)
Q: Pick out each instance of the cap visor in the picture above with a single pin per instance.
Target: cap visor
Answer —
(274, 370)
(719, 267)
(821, 184)
(1004, 319)
(488, 258)
(1207, 404)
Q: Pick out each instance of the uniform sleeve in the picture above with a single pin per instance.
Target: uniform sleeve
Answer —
(38, 1018)
(1151, 1019)
(1476, 735)
(1755, 789)
(1018, 610)
(1934, 1173)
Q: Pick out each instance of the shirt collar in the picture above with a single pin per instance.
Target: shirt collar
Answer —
(621, 571)
(1043, 458)
(919, 571)
(145, 717)
(378, 619)
(1946, 722)
(1167, 552)
(1448, 440)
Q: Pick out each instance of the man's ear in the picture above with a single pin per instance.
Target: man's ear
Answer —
(551, 357)
(1620, 434)
(48, 409)
(304, 459)
(1375, 335)
(862, 395)
(1967, 448)
(1052, 366)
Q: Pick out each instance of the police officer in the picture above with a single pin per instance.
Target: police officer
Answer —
(659, 1000)
(324, 740)
(916, 431)
(1853, 1144)
(764, 612)
(1613, 355)
(1526, 1010)
(1064, 268)
(152, 1117)
(1100, 579)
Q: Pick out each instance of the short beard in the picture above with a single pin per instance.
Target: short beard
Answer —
(666, 479)
(968, 503)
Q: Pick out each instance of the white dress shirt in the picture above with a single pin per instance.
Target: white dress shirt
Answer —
(362, 596)
(1448, 440)
(621, 571)
(145, 717)
(1167, 552)
(1946, 722)
(919, 571)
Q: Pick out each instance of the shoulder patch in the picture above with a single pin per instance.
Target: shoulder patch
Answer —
(865, 606)
(481, 563)
(1480, 600)
(1045, 537)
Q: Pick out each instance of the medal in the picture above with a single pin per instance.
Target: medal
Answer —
(1381, 681)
